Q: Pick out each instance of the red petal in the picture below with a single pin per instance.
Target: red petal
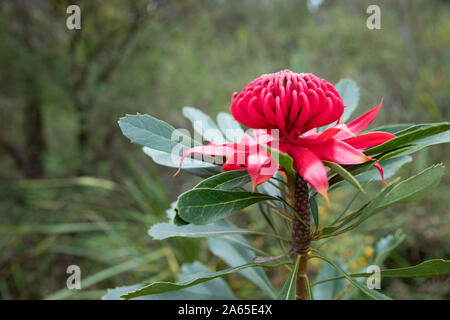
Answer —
(211, 149)
(339, 152)
(368, 140)
(304, 113)
(293, 113)
(344, 132)
(254, 114)
(363, 121)
(328, 134)
(311, 169)
(380, 169)
(284, 107)
(239, 112)
(268, 112)
(230, 164)
(311, 132)
(262, 135)
(279, 116)
(261, 168)
(327, 112)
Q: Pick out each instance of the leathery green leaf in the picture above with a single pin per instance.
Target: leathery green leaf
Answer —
(288, 292)
(204, 205)
(190, 280)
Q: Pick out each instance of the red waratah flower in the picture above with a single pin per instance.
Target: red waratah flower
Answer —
(291, 102)
(296, 105)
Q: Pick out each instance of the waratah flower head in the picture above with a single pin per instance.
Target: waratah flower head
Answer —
(292, 102)
(297, 105)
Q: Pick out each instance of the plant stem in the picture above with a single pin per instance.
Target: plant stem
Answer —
(302, 282)
(301, 233)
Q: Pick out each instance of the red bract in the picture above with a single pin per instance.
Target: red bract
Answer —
(299, 137)
(248, 154)
(338, 144)
(291, 102)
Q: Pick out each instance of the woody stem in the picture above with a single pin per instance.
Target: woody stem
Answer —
(301, 233)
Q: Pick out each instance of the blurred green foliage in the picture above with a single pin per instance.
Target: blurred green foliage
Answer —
(62, 92)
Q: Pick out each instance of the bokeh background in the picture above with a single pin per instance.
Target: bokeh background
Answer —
(73, 190)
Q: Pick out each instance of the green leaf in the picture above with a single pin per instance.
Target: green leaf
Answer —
(167, 230)
(198, 292)
(393, 153)
(386, 245)
(409, 136)
(411, 189)
(230, 127)
(226, 180)
(274, 188)
(414, 127)
(314, 210)
(289, 290)
(153, 133)
(344, 174)
(178, 221)
(203, 206)
(222, 228)
(204, 125)
(364, 213)
(216, 288)
(430, 268)
(329, 290)
(414, 188)
(373, 294)
(420, 144)
(210, 290)
(284, 159)
(230, 250)
(114, 294)
(393, 128)
(270, 189)
(190, 280)
(349, 92)
(390, 167)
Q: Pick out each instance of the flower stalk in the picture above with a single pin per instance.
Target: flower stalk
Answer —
(301, 233)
